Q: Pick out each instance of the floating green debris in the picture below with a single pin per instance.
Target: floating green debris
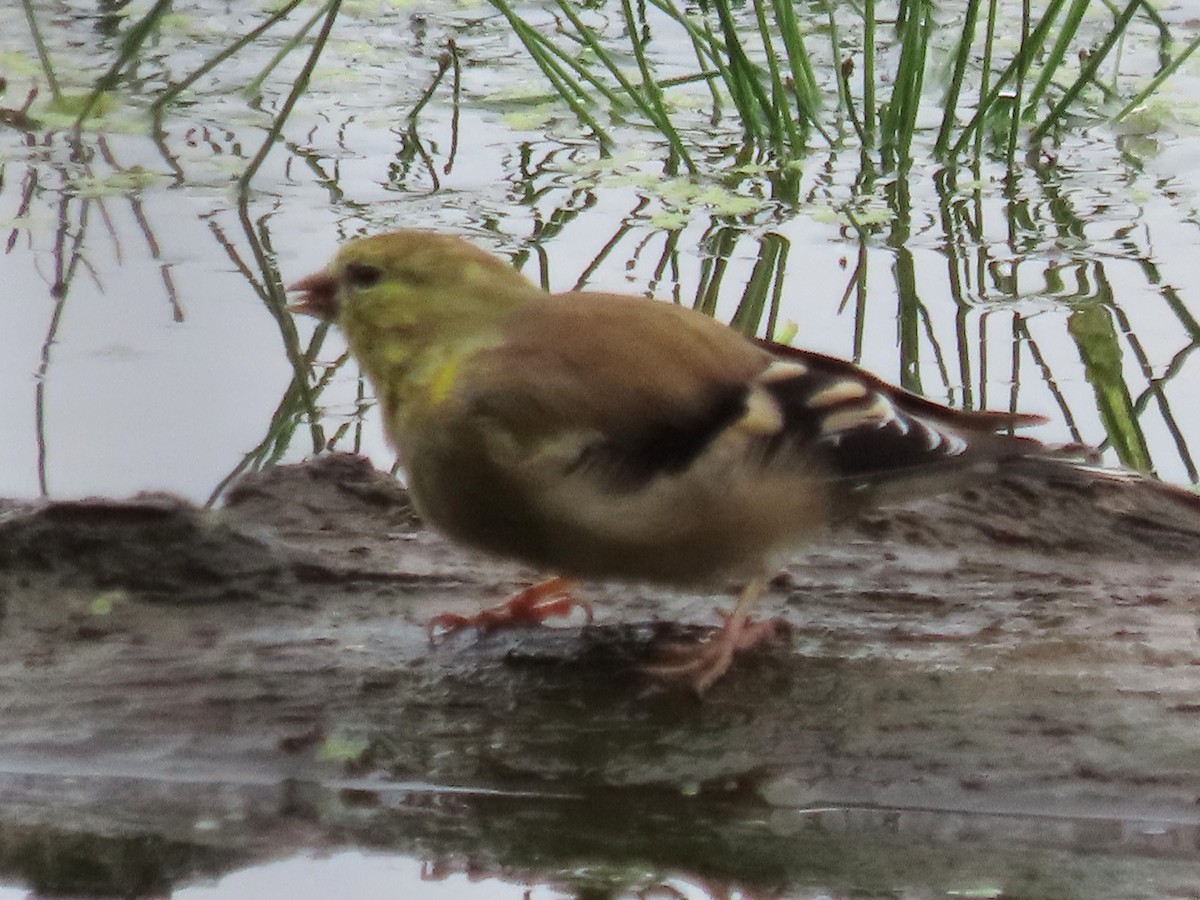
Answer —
(341, 749)
(724, 202)
(103, 604)
(870, 215)
(18, 64)
(680, 100)
(982, 892)
(531, 119)
(669, 220)
(71, 105)
(680, 191)
(183, 24)
(342, 75)
(126, 181)
(518, 95)
(755, 169)
(605, 165)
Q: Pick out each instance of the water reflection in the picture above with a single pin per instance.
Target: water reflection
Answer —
(363, 876)
(1057, 289)
(369, 876)
(496, 851)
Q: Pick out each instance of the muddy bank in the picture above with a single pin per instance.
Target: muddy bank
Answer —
(998, 685)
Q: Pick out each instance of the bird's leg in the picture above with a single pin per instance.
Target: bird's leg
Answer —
(532, 606)
(698, 666)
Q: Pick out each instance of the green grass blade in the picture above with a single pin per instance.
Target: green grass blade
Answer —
(806, 91)
(1166, 72)
(570, 90)
(592, 41)
(42, 51)
(562, 58)
(179, 87)
(253, 87)
(783, 126)
(130, 45)
(1016, 68)
(1057, 53)
(1014, 125)
(961, 57)
(805, 81)
(1088, 72)
(651, 94)
(743, 82)
(869, 114)
(899, 119)
(299, 86)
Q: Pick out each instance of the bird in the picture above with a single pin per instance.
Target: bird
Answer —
(610, 436)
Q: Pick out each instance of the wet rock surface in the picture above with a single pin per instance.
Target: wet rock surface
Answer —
(996, 688)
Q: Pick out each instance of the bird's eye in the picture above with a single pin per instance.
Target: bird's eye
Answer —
(361, 275)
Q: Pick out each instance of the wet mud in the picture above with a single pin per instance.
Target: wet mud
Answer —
(997, 688)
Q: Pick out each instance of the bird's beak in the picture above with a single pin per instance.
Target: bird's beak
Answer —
(318, 296)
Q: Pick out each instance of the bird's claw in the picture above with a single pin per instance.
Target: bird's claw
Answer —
(698, 665)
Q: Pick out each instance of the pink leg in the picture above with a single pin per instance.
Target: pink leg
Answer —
(699, 666)
(531, 606)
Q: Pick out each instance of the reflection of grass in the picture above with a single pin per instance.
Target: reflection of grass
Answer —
(299, 402)
(1094, 334)
(74, 212)
(65, 263)
(294, 409)
(1155, 390)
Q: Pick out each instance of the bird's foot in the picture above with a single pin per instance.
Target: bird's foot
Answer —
(531, 606)
(699, 665)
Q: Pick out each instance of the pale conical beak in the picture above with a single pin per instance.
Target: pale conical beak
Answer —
(318, 296)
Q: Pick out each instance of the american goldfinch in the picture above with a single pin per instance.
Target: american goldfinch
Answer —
(599, 435)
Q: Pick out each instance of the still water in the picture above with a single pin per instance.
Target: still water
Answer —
(143, 346)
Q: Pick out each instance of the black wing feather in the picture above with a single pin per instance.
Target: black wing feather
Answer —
(636, 457)
(860, 432)
(854, 426)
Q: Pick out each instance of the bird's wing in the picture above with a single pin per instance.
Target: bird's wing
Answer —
(618, 385)
(879, 440)
(633, 390)
(987, 419)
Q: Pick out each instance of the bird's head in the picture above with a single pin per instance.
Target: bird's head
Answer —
(408, 281)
